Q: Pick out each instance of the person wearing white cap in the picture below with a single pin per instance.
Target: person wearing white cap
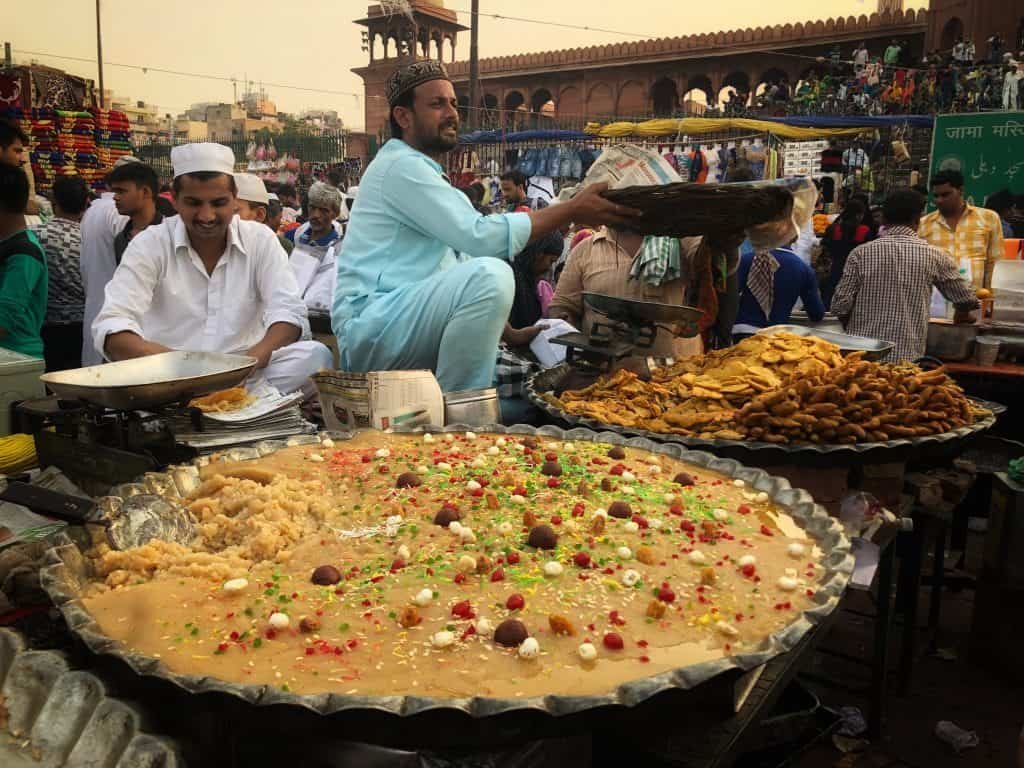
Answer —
(206, 280)
(275, 214)
(100, 226)
(252, 197)
(316, 241)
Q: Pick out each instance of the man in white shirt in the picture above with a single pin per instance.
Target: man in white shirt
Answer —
(205, 280)
(100, 226)
(860, 57)
(316, 243)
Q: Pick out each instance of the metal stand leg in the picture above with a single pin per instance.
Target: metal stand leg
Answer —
(907, 593)
(938, 577)
(883, 624)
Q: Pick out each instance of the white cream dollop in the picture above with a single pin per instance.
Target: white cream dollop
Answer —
(787, 583)
(505, 528)
(624, 552)
(473, 485)
(443, 639)
(746, 560)
(403, 552)
(529, 648)
(279, 621)
(697, 557)
(631, 527)
(553, 568)
(587, 651)
(795, 549)
(484, 627)
(383, 453)
(630, 577)
(424, 597)
(234, 586)
(466, 564)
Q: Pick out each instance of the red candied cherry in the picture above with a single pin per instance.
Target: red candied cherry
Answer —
(397, 564)
(613, 641)
(748, 570)
(687, 526)
(460, 578)
(515, 602)
(582, 559)
(383, 469)
(498, 575)
(766, 531)
(666, 595)
(512, 558)
(463, 610)
(554, 482)
(743, 509)
(556, 519)
(551, 457)
(578, 509)
(519, 491)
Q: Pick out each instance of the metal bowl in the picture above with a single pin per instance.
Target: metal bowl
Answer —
(146, 382)
(66, 574)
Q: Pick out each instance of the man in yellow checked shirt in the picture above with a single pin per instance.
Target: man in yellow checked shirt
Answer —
(963, 230)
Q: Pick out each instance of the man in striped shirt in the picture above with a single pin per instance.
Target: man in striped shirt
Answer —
(962, 230)
(886, 289)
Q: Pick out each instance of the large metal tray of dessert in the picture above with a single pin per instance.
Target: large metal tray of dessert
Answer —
(758, 453)
(58, 716)
(67, 572)
(146, 382)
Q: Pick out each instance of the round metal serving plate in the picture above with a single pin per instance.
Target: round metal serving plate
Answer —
(761, 453)
(66, 575)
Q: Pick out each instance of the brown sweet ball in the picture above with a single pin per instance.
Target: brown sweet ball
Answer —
(683, 478)
(617, 452)
(408, 480)
(551, 469)
(620, 509)
(542, 537)
(607, 485)
(326, 575)
(511, 633)
(309, 624)
(530, 442)
(446, 516)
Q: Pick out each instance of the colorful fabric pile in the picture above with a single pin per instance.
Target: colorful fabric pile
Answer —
(76, 138)
(113, 136)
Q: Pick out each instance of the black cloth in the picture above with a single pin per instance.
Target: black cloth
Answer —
(832, 161)
(526, 309)
(62, 346)
(124, 237)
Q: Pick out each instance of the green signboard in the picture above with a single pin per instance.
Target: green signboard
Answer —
(986, 147)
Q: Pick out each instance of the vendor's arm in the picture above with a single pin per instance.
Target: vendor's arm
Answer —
(278, 335)
(811, 296)
(117, 330)
(846, 292)
(520, 337)
(567, 303)
(421, 197)
(956, 290)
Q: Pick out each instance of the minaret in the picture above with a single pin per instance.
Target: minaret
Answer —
(398, 33)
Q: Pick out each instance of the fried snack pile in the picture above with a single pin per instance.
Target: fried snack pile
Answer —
(858, 402)
(224, 401)
(779, 388)
(700, 395)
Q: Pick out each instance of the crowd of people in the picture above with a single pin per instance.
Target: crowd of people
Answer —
(962, 79)
(416, 276)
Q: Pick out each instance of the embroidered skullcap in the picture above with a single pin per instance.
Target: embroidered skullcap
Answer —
(205, 156)
(408, 77)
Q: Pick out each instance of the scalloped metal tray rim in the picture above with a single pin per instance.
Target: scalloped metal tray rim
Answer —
(700, 443)
(61, 578)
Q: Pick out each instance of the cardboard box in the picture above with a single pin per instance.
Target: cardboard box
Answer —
(379, 400)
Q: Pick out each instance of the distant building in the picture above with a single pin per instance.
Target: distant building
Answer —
(322, 118)
(145, 118)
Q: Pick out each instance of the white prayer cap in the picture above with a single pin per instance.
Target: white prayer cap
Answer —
(251, 188)
(205, 156)
(125, 160)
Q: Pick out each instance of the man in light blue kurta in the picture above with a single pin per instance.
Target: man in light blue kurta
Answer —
(423, 278)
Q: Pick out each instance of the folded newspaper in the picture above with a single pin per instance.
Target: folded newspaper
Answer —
(18, 524)
(271, 416)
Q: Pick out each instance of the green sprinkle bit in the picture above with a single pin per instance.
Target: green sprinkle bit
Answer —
(343, 626)
(257, 642)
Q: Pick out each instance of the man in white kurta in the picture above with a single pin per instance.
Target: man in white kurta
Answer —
(205, 280)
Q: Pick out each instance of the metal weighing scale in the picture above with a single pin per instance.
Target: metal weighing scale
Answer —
(630, 330)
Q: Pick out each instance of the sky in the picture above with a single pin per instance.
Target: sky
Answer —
(314, 44)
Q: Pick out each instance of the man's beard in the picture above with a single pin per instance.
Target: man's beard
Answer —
(438, 143)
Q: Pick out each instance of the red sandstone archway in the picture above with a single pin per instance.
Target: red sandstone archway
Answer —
(665, 96)
(632, 100)
(601, 101)
(951, 32)
(570, 104)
